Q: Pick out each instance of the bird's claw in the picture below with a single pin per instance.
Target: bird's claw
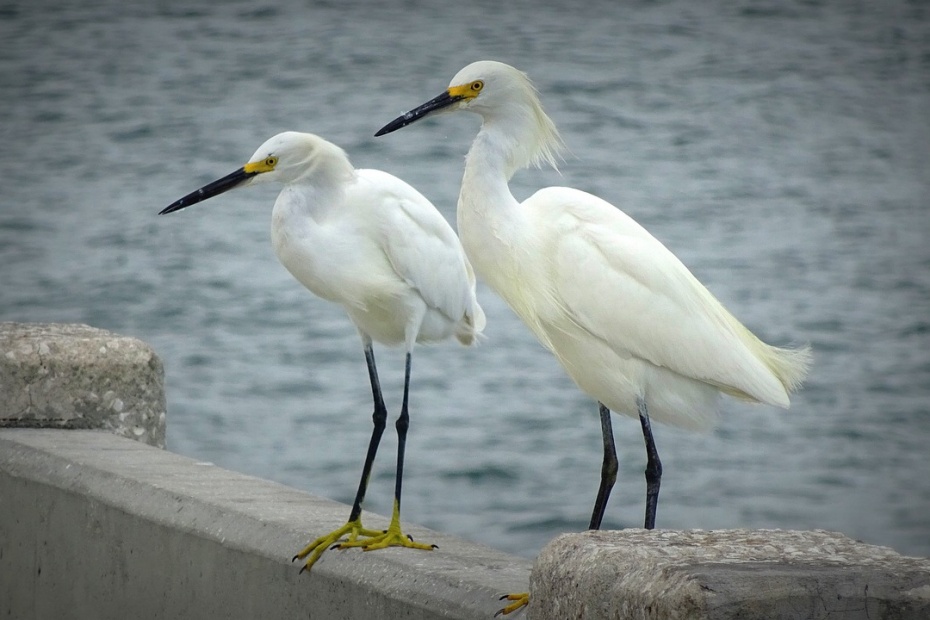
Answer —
(352, 530)
(391, 537)
(520, 599)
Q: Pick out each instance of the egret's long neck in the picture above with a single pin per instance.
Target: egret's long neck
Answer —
(491, 157)
(317, 195)
(518, 135)
(489, 218)
(513, 136)
(510, 138)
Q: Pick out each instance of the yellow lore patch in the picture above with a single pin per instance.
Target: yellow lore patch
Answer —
(466, 91)
(265, 165)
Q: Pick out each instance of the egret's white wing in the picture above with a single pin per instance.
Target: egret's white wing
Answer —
(423, 249)
(620, 284)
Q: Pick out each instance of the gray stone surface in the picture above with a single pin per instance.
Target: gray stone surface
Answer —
(76, 376)
(745, 574)
(95, 526)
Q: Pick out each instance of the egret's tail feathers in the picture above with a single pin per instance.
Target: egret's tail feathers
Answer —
(786, 369)
(479, 321)
(789, 365)
(471, 326)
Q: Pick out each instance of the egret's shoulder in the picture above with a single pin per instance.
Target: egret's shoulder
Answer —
(592, 241)
(400, 205)
(385, 181)
(386, 186)
(566, 209)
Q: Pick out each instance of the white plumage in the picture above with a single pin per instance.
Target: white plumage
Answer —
(373, 244)
(626, 319)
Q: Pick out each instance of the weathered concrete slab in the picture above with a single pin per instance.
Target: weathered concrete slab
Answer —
(94, 526)
(76, 376)
(727, 574)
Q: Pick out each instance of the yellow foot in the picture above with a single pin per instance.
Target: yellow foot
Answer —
(352, 529)
(391, 537)
(519, 600)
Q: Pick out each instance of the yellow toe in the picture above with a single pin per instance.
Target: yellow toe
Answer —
(520, 599)
(391, 537)
(351, 530)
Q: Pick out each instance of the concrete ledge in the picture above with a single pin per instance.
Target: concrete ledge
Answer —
(75, 376)
(93, 525)
(745, 574)
(96, 526)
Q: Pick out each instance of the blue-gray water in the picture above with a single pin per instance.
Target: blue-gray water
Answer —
(779, 148)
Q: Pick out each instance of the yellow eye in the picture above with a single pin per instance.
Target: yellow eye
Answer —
(271, 162)
(477, 85)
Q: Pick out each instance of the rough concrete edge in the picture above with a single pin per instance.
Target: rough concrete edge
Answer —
(259, 517)
(145, 421)
(640, 573)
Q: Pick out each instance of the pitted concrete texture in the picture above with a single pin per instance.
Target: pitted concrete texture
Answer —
(745, 574)
(95, 526)
(76, 376)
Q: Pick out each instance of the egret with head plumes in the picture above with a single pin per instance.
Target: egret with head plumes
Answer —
(373, 244)
(626, 319)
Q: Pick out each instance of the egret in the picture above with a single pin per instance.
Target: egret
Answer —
(625, 318)
(373, 244)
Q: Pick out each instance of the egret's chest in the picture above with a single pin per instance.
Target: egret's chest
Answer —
(314, 253)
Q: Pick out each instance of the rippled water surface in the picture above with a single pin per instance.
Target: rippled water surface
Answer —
(779, 148)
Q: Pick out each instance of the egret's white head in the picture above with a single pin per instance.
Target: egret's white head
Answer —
(288, 157)
(492, 88)
(506, 99)
(292, 156)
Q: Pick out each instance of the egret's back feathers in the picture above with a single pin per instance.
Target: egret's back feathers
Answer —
(620, 284)
(429, 257)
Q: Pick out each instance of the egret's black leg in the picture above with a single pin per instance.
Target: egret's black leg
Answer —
(403, 423)
(379, 417)
(608, 469)
(394, 536)
(353, 527)
(653, 467)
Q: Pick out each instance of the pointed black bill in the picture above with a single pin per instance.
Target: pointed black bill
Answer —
(436, 103)
(210, 190)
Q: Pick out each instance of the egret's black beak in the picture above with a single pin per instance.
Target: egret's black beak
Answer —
(210, 190)
(437, 103)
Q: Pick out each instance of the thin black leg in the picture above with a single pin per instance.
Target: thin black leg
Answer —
(403, 423)
(379, 417)
(653, 468)
(608, 469)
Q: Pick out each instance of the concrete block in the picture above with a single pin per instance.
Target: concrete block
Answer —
(726, 574)
(98, 527)
(76, 376)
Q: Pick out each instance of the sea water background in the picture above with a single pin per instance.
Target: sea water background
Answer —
(779, 148)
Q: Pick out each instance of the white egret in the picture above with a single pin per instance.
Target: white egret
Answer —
(372, 243)
(626, 319)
